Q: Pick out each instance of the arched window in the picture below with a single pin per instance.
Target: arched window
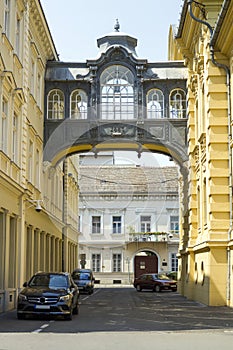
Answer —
(155, 104)
(78, 105)
(55, 104)
(117, 93)
(178, 104)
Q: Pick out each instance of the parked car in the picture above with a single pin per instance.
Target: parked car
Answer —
(172, 275)
(155, 281)
(49, 293)
(84, 279)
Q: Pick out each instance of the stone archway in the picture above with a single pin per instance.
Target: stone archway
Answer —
(145, 262)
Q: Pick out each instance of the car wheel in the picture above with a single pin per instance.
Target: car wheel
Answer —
(157, 289)
(138, 288)
(76, 309)
(69, 316)
(20, 316)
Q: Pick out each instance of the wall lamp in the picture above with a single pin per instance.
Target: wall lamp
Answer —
(36, 203)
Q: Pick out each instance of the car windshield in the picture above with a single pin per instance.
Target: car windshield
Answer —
(161, 276)
(81, 275)
(50, 281)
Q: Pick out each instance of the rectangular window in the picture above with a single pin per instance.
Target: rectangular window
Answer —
(4, 125)
(174, 224)
(15, 143)
(30, 161)
(174, 262)
(145, 223)
(116, 224)
(18, 35)
(116, 262)
(7, 17)
(96, 258)
(37, 169)
(32, 77)
(39, 90)
(96, 224)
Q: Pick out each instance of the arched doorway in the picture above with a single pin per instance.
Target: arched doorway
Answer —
(145, 262)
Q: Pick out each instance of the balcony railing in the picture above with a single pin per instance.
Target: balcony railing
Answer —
(153, 236)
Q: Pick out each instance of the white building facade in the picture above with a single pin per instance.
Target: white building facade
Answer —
(129, 221)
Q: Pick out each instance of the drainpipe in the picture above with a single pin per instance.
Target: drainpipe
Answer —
(228, 83)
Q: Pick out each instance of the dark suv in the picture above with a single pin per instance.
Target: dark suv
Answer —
(155, 281)
(84, 279)
(49, 293)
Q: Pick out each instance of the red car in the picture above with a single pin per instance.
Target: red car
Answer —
(156, 282)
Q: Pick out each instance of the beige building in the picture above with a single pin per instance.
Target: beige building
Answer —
(204, 39)
(38, 204)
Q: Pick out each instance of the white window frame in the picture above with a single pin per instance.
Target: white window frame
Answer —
(4, 122)
(7, 17)
(96, 262)
(116, 262)
(100, 225)
(145, 225)
(118, 227)
(78, 104)
(15, 138)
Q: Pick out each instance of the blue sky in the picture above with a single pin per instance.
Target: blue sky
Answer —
(76, 25)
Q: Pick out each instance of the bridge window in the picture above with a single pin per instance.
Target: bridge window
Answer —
(55, 104)
(155, 104)
(78, 105)
(178, 104)
(117, 93)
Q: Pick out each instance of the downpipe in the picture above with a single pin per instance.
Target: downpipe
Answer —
(228, 83)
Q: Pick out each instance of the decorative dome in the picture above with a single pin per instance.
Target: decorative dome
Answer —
(117, 38)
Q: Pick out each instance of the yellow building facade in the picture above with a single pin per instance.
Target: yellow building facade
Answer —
(38, 204)
(204, 39)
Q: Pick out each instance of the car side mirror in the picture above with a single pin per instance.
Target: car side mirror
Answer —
(25, 284)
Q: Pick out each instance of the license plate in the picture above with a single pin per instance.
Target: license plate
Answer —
(42, 307)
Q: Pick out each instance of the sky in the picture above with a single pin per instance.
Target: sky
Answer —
(76, 25)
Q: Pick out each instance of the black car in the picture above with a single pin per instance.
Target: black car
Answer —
(49, 293)
(155, 281)
(84, 279)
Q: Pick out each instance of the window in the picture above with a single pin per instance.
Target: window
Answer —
(174, 224)
(96, 262)
(145, 224)
(32, 77)
(15, 141)
(18, 35)
(7, 17)
(116, 262)
(55, 105)
(174, 262)
(37, 169)
(116, 224)
(117, 93)
(178, 104)
(30, 161)
(4, 125)
(78, 105)
(96, 224)
(39, 95)
(155, 104)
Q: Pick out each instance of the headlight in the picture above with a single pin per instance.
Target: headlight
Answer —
(88, 284)
(22, 298)
(65, 297)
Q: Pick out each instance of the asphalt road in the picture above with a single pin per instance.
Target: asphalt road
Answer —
(113, 316)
